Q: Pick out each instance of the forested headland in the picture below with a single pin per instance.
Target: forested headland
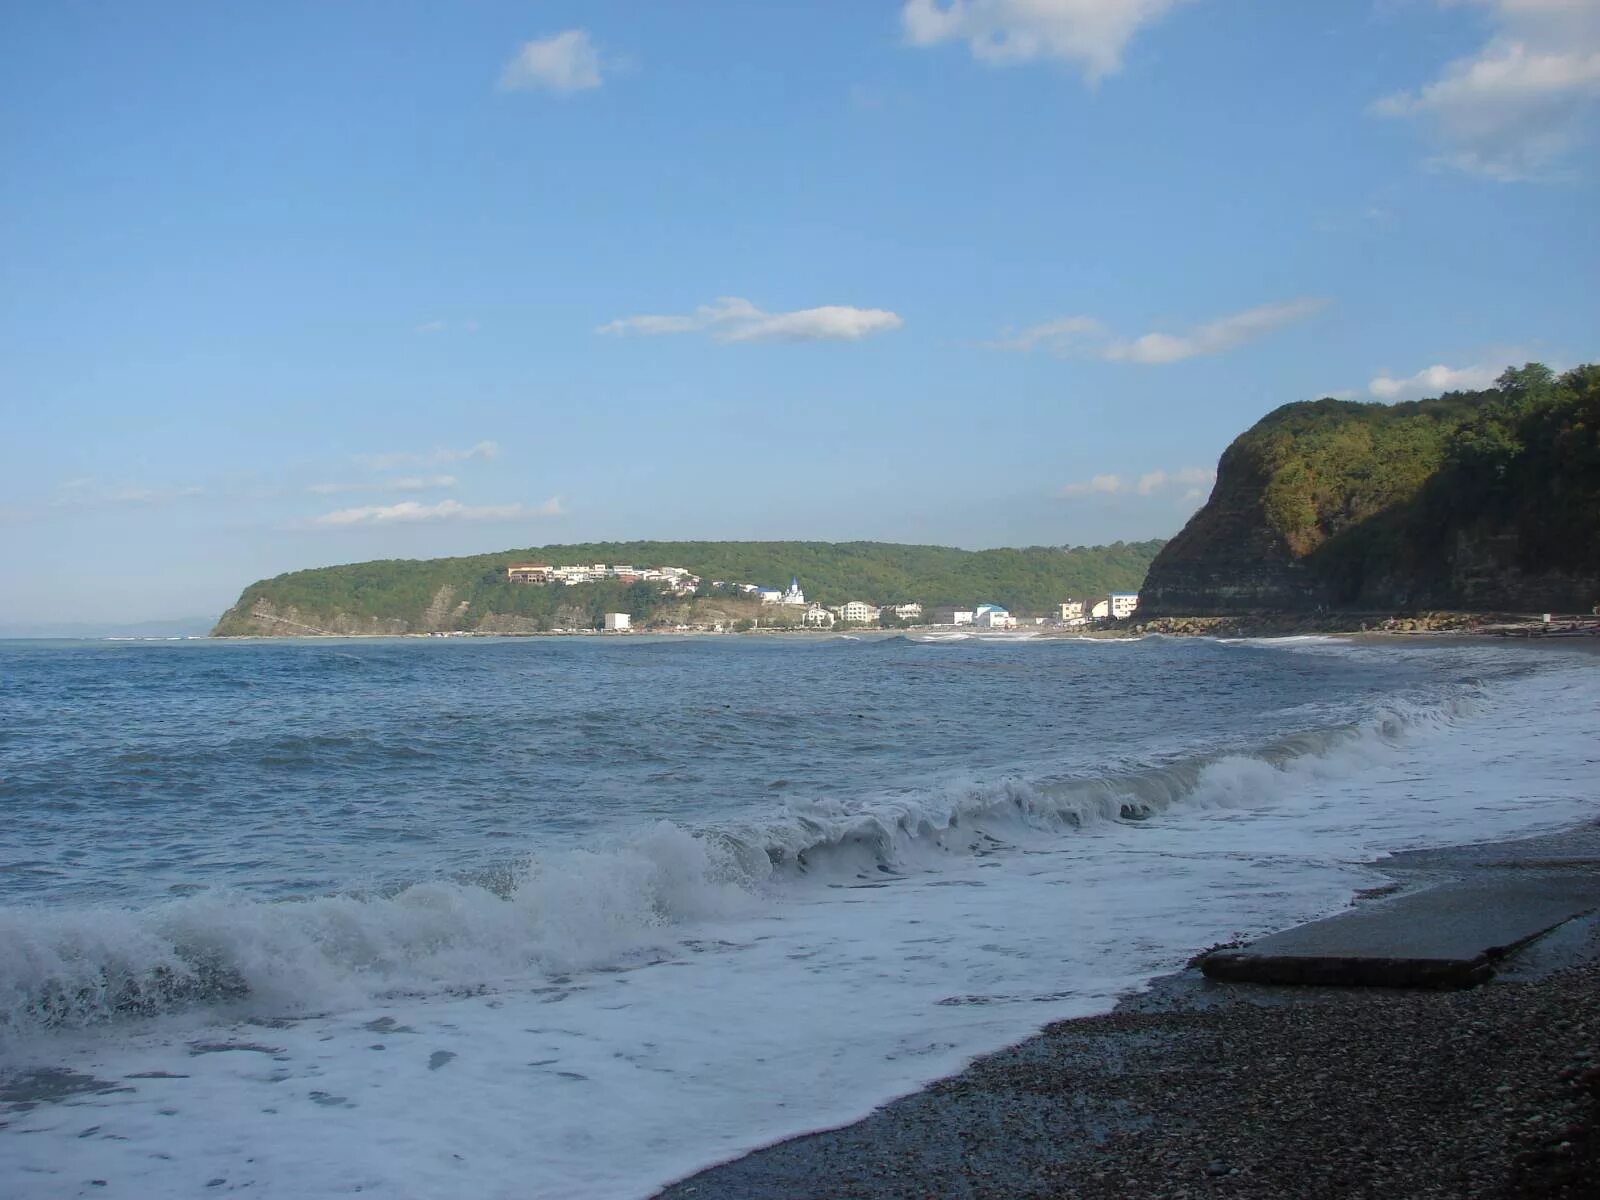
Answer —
(472, 593)
(1476, 501)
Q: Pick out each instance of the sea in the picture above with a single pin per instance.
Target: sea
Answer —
(576, 917)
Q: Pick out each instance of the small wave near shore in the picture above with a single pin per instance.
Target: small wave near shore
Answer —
(628, 902)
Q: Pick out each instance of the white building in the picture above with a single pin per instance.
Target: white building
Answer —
(817, 617)
(1123, 604)
(619, 622)
(1101, 610)
(1072, 611)
(857, 612)
(794, 596)
(906, 612)
(770, 595)
(950, 615)
(992, 616)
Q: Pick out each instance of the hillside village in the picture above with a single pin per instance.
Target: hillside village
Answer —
(789, 608)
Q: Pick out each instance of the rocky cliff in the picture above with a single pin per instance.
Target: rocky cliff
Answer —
(1473, 501)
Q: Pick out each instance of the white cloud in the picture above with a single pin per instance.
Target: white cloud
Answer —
(562, 63)
(428, 327)
(1090, 34)
(1193, 480)
(91, 493)
(1088, 336)
(1189, 478)
(410, 483)
(1524, 102)
(1100, 485)
(1431, 381)
(732, 319)
(410, 512)
(438, 456)
(1213, 337)
(1064, 335)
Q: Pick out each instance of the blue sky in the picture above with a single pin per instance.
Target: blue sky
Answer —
(305, 283)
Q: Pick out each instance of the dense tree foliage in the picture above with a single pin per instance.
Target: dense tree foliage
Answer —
(1448, 501)
(460, 592)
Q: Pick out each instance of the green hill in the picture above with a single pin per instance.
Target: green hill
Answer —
(1474, 500)
(471, 593)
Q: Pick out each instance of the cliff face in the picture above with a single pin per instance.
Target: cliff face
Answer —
(1473, 501)
(261, 617)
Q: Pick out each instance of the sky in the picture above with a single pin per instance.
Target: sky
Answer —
(307, 283)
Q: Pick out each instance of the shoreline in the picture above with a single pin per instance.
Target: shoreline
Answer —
(1193, 1087)
(1575, 627)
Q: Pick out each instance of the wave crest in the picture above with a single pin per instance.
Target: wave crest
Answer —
(585, 908)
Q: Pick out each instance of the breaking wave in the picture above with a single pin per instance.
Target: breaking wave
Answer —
(575, 910)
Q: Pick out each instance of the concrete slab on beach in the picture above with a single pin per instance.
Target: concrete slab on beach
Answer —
(1449, 935)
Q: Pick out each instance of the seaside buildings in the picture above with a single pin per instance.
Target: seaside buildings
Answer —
(792, 598)
(817, 617)
(677, 580)
(796, 610)
(992, 616)
(618, 622)
(857, 612)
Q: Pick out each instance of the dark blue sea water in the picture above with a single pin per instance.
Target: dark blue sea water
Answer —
(456, 917)
(134, 771)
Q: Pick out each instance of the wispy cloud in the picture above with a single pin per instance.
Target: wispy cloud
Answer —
(1520, 106)
(1090, 34)
(439, 456)
(1063, 335)
(407, 483)
(1213, 337)
(411, 512)
(1100, 485)
(1189, 481)
(1186, 478)
(732, 319)
(1088, 336)
(431, 327)
(1431, 381)
(92, 493)
(563, 63)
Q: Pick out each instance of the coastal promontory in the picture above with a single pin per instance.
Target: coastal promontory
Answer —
(1470, 501)
(476, 594)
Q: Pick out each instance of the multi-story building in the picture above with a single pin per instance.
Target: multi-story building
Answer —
(952, 615)
(857, 612)
(528, 573)
(1123, 604)
(1072, 611)
(618, 622)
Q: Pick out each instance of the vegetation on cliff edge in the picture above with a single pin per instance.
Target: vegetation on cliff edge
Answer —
(1372, 503)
